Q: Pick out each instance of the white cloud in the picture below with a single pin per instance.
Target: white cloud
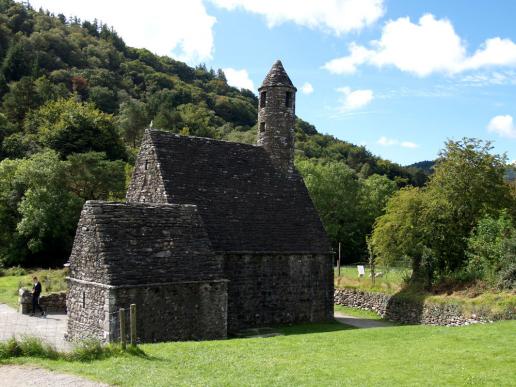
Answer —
(429, 46)
(354, 99)
(238, 78)
(307, 88)
(181, 29)
(336, 16)
(385, 141)
(409, 144)
(503, 126)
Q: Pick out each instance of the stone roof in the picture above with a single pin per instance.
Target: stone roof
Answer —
(135, 243)
(277, 76)
(246, 204)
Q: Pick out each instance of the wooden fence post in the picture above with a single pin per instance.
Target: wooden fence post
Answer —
(132, 316)
(338, 262)
(121, 316)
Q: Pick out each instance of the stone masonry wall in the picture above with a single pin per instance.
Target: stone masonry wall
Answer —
(88, 311)
(51, 303)
(405, 310)
(276, 126)
(147, 183)
(179, 311)
(267, 289)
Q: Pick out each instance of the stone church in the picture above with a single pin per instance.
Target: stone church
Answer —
(215, 237)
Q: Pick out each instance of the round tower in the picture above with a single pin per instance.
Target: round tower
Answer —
(276, 117)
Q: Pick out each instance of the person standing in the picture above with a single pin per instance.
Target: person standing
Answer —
(36, 292)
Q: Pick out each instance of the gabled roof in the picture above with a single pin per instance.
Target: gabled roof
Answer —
(277, 76)
(246, 204)
(135, 243)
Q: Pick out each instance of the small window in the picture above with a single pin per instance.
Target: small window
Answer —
(263, 98)
(146, 164)
(288, 99)
(84, 299)
(262, 126)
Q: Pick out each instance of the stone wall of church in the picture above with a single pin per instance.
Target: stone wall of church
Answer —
(175, 311)
(88, 311)
(147, 184)
(276, 121)
(268, 289)
(165, 312)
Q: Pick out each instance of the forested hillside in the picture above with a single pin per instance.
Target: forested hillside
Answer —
(75, 100)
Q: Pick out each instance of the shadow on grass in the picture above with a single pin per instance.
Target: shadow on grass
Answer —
(311, 328)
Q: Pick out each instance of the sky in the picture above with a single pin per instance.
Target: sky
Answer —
(399, 77)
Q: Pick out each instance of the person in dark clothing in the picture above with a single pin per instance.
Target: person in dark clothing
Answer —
(36, 292)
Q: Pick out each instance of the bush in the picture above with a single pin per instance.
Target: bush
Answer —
(492, 251)
(86, 351)
(13, 271)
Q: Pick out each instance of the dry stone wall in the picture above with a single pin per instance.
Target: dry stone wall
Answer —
(405, 310)
(51, 303)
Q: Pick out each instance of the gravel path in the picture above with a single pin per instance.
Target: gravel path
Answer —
(50, 328)
(360, 322)
(17, 376)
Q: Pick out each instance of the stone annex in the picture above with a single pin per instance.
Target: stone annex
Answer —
(215, 237)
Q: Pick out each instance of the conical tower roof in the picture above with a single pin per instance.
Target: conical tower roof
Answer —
(277, 76)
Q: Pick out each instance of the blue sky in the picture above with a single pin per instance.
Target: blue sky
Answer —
(399, 77)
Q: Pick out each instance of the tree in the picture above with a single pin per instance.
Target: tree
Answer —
(41, 198)
(21, 98)
(91, 176)
(375, 192)
(68, 126)
(334, 190)
(400, 232)
(467, 185)
(489, 249)
(132, 121)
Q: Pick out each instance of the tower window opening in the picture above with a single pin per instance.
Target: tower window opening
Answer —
(262, 127)
(146, 164)
(84, 299)
(263, 98)
(288, 99)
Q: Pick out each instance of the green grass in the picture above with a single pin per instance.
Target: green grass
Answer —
(318, 355)
(356, 312)
(472, 300)
(390, 282)
(51, 280)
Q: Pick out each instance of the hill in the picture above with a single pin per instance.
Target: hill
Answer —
(75, 101)
(45, 57)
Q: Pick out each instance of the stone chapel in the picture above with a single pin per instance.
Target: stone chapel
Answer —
(215, 237)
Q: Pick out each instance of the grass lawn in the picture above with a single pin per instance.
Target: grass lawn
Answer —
(356, 312)
(390, 282)
(51, 281)
(319, 355)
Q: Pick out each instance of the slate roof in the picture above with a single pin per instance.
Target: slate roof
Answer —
(277, 76)
(246, 204)
(115, 241)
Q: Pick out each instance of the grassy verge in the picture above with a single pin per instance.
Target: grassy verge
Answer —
(33, 347)
(356, 312)
(391, 280)
(13, 279)
(318, 355)
(473, 300)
